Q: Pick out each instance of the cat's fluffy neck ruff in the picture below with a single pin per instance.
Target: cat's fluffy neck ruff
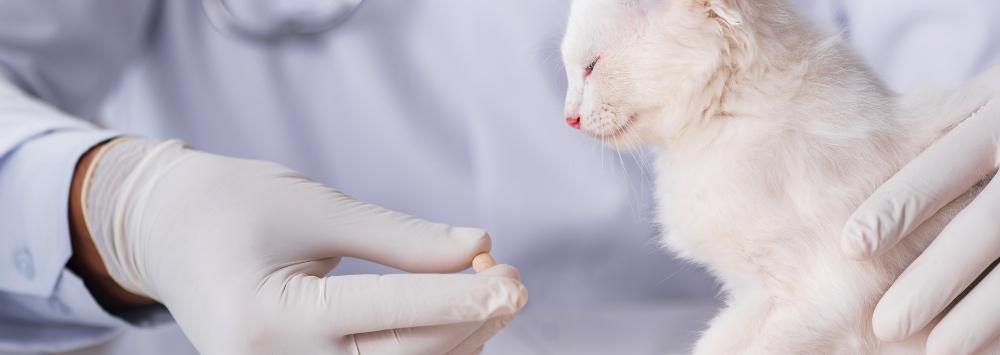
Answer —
(768, 67)
(759, 133)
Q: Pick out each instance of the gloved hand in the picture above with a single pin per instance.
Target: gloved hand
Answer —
(239, 250)
(963, 251)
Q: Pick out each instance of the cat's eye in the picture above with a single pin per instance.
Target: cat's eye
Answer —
(590, 68)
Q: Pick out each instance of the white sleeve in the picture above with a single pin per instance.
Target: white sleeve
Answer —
(58, 61)
(917, 43)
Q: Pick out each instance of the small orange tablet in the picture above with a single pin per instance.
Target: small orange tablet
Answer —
(482, 262)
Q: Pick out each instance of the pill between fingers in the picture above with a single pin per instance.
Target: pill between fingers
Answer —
(482, 262)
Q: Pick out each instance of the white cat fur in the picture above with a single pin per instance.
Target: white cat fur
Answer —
(770, 134)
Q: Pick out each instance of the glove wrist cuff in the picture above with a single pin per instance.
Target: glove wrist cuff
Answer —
(122, 168)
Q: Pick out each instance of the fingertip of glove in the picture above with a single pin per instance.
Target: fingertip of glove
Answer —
(857, 241)
(887, 326)
(508, 296)
(478, 239)
(522, 295)
(491, 297)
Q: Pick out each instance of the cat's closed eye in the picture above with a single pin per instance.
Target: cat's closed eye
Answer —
(590, 68)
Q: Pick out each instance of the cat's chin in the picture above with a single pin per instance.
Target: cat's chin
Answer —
(625, 137)
(624, 146)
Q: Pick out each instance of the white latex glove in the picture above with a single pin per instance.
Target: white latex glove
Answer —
(239, 250)
(963, 251)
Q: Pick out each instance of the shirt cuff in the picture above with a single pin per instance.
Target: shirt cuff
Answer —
(35, 179)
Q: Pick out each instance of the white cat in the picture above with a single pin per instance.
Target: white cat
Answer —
(770, 134)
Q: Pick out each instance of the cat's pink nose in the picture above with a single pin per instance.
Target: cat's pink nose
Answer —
(573, 121)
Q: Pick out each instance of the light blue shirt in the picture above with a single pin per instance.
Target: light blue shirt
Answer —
(450, 110)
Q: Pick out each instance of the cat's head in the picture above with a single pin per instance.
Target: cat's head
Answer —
(638, 68)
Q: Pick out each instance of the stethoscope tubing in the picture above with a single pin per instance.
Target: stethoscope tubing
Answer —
(224, 20)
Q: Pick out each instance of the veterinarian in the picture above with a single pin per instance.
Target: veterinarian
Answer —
(450, 111)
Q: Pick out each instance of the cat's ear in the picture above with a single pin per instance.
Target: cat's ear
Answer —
(725, 10)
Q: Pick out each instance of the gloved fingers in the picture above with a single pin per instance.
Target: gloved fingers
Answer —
(339, 225)
(357, 304)
(458, 338)
(972, 324)
(429, 340)
(968, 154)
(473, 344)
(968, 245)
(503, 270)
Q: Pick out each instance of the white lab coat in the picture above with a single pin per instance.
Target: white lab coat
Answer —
(917, 43)
(449, 110)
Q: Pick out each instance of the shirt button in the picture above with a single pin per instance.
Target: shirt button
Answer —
(24, 263)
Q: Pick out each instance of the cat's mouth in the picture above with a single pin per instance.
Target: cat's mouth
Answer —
(617, 132)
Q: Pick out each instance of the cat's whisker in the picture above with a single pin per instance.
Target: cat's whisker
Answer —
(639, 161)
(633, 195)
